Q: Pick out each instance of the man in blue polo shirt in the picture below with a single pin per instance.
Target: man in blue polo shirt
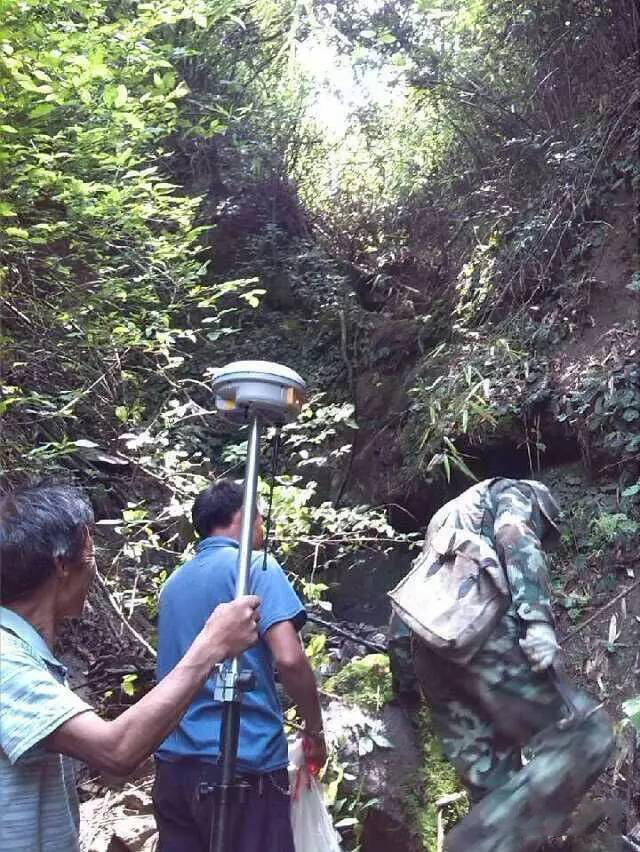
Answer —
(188, 757)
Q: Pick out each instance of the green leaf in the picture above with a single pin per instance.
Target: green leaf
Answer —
(631, 491)
(8, 401)
(109, 95)
(180, 90)
(17, 232)
(462, 466)
(41, 109)
(631, 709)
(346, 822)
(135, 121)
(131, 516)
(216, 126)
(200, 20)
(634, 284)
(6, 209)
(128, 684)
(7, 128)
(447, 466)
(39, 74)
(121, 97)
(122, 413)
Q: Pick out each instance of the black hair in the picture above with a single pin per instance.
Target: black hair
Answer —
(216, 506)
(38, 524)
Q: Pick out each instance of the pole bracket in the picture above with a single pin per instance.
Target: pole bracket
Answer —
(230, 685)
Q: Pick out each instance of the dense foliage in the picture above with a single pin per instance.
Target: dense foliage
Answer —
(140, 144)
(163, 165)
(104, 278)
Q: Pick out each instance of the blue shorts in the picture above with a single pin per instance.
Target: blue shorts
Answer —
(261, 823)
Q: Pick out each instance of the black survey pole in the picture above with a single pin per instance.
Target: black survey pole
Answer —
(251, 392)
(232, 681)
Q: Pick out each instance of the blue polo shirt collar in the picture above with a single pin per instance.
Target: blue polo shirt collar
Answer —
(25, 631)
(216, 541)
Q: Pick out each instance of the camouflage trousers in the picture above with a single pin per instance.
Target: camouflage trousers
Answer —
(491, 711)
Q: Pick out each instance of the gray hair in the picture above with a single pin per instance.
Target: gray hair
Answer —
(37, 525)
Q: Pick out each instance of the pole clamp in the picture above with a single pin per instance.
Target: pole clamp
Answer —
(230, 685)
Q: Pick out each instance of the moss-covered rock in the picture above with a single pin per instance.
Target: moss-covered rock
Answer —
(365, 681)
(436, 778)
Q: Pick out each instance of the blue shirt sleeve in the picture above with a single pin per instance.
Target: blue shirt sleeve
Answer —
(279, 602)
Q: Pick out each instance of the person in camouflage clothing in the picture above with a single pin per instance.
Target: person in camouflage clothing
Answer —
(502, 702)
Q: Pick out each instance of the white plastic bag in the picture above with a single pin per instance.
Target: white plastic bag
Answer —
(313, 830)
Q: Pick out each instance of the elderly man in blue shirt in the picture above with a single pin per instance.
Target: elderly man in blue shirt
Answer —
(47, 564)
(188, 758)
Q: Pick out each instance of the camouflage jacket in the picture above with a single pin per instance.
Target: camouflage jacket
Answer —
(511, 516)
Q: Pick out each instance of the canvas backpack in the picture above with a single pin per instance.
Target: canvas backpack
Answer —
(454, 595)
(457, 590)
